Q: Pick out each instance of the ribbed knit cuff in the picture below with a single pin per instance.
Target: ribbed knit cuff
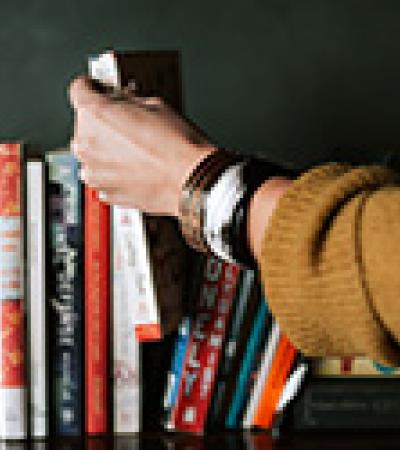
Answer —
(312, 264)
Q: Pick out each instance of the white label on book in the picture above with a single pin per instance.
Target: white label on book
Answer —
(12, 401)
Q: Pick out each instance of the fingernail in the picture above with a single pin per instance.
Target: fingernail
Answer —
(102, 195)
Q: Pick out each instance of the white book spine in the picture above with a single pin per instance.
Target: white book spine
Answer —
(37, 299)
(262, 377)
(126, 364)
(144, 290)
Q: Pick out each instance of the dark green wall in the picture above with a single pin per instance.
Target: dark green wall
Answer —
(293, 79)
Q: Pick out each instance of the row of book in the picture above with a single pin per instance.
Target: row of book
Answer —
(232, 367)
(71, 359)
(84, 290)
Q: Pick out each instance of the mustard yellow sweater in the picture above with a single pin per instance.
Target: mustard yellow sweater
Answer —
(331, 262)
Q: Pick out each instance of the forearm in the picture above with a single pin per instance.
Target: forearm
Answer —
(261, 208)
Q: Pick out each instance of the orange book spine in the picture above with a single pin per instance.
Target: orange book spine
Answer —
(97, 312)
(283, 361)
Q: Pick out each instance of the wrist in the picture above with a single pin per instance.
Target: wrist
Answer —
(190, 158)
(261, 208)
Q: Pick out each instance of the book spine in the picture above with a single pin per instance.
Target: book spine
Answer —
(250, 364)
(205, 345)
(232, 351)
(283, 361)
(65, 294)
(175, 374)
(36, 305)
(126, 356)
(13, 420)
(268, 355)
(97, 303)
(146, 319)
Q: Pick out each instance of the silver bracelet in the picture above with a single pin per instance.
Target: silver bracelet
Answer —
(220, 204)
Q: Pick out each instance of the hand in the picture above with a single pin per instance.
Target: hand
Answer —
(136, 151)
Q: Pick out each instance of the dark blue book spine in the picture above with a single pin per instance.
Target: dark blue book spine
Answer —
(65, 295)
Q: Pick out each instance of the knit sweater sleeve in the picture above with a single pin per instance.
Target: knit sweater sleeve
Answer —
(330, 262)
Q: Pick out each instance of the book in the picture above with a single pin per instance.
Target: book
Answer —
(263, 373)
(351, 366)
(174, 377)
(97, 312)
(125, 348)
(36, 293)
(217, 293)
(251, 362)
(65, 264)
(348, 393)
(239, 328)
(348, 404)
(13, 388)
(281, 365)
(175, 373)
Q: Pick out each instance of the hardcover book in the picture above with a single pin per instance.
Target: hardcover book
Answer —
(205, 346)
(127, 408)
(97, 312)
(240, 325)
(348, 393)
(250, 364)
(65, 293)
(36, 305)
(263, 373)
(13, 406)
(274, 385)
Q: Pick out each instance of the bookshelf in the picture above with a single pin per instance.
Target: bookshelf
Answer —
(287, 439)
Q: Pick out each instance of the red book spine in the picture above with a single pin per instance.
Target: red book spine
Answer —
(13, 424)
(204, 350)
(97, 312)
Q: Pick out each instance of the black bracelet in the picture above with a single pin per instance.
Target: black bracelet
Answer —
(255, 173)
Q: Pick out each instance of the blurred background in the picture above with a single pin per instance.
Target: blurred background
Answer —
(299, 81)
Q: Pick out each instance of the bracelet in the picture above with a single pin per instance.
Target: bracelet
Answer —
(215, 201)
(255, 174)
(191, 205)
(219, 208)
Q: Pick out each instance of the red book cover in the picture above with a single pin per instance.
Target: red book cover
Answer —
(217, 293)
(97, 315)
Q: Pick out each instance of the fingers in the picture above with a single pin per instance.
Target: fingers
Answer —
(83, 95)
(100, 179)
(116, 198)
